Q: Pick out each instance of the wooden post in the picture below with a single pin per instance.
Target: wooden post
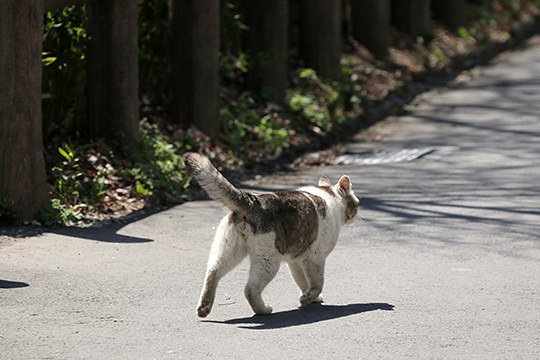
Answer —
(23, 183)
(112, 71)
(450, 12)
(268, 23)
(320, 36)
(370, 21)
(412, 16)
(195, 67)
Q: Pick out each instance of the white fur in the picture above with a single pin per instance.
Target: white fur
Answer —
(232, 243)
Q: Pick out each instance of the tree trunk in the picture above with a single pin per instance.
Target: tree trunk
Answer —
(320, 36)
(23, 183)
(371, 24)
(268, 42)
(113, 71)
(450, 12)
(195, 67)
(412, 16)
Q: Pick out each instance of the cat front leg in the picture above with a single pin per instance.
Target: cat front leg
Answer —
(262, 271)
(314, 272)
(299, 277)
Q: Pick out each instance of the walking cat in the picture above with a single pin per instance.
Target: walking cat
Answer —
(300, 227)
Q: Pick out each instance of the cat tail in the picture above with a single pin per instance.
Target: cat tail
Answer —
(216, 186)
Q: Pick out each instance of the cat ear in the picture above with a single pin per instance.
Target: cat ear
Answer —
(345, 184)
(324, 181)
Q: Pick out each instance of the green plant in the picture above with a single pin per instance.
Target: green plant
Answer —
(64, 49)
(67, 175)
(75, 184)
(54, 213)
(233, 26)
(233, 67)
(464, 34)
(247, 122)
(314, 99)
(89, 181)
(234, 61)
(158, 170)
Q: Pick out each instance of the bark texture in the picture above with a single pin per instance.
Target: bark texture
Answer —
(195, 68)
(113, 71)
(23, 184)
(320, 36)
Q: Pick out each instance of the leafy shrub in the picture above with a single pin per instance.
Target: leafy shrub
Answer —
(54, 213)
(91, 180)
(313, 99)
(157, 170)
(247, 122)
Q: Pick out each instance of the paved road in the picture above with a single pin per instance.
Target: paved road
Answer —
(444, 265)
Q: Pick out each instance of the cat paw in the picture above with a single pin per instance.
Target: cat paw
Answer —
(267, 310)
(304, 300)
(204, 309)
(309, 298)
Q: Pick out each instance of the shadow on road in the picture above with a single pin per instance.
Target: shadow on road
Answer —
(107, 233)
(307, 315)
(7, 284)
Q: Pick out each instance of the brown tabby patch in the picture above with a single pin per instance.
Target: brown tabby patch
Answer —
(293, 216)
(351, 207)
(328, 189)
(319, 202)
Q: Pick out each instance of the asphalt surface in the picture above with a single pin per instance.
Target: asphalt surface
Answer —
(444, 265)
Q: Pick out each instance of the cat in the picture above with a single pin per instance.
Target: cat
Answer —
(300, 227)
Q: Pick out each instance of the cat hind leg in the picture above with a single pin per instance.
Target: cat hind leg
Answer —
(228, 250)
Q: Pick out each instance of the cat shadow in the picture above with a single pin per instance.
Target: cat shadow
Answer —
(310, 314)
(8, 284)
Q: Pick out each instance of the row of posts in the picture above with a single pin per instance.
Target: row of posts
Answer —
(112, 68)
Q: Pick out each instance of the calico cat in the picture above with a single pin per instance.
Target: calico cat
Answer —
(300, 227)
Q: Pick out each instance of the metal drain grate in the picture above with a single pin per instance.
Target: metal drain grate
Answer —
(384, 156)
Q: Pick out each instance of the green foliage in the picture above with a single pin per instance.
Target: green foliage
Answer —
(246, 122)
(314, 99)
(67, 176)
(91, 179)
(72, 186)
(158, 169)
(464, 33)
(65, 34)
(54, 213)
(64, 49)
(233, 26)
(234, 61)
(499, 14)
(233, 66)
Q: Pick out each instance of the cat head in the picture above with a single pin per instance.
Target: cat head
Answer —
(343, 190)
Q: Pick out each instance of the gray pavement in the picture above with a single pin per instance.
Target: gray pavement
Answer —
(444, 265)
